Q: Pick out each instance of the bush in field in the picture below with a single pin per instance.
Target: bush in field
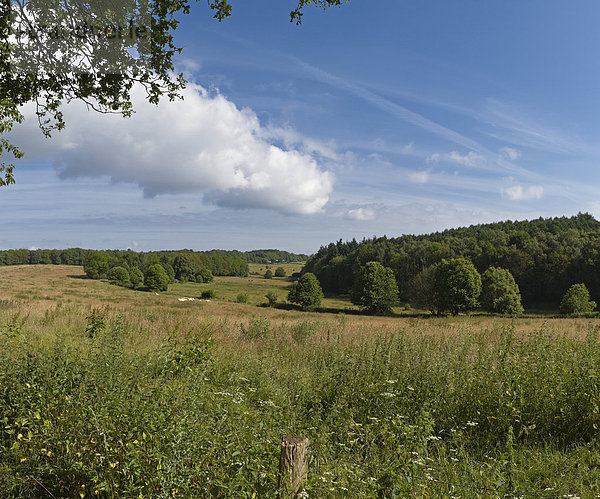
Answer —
(156, 279)
(271, 299)
(500, 293)
(208, 294)
(306, 292)
(304, 330)
(242, 298)
(259, 327)
(375, 288)
(119, 276)
(136, 277)
(457, 286)
(577, 301)
(269, 274)
(280, 272)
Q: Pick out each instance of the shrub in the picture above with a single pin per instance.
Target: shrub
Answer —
(259, 327)
(269, 274)
(280, 272)
(271, 299)
(96, 323)
(303, 330)
(156, 279)
(306, 292)
(576, 301)
(375, 288)
(119, 276)
(208, 294)
(242, 298)
(500, 293)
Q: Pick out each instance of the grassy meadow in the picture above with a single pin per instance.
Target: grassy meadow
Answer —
(109, 392)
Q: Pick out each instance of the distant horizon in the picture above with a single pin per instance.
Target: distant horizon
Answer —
(299, 252)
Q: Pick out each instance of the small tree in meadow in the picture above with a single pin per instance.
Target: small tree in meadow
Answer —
(156, 279)
(500, 293)
(457, 286)
(269, 274)
(375, 288)
(306, 292)
(280, 272)
(576, 301)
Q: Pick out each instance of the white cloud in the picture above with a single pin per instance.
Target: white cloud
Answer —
(470, 159)
(419, 177)
(361, 214)
(433, 158)
(510, 153)
(203, 144)
(519, 193)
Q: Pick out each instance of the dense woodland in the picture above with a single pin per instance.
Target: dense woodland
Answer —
(545, 256)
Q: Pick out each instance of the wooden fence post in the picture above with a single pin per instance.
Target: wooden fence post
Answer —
(292, 466)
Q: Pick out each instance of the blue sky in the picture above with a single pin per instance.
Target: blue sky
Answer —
(385, 117)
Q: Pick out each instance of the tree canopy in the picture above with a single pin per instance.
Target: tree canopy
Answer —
(576, 301)
(375, 289)
(545, 256)
(306, 292)
(457, 286)
(500, 293)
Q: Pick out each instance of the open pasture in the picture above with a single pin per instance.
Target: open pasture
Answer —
(111, 392)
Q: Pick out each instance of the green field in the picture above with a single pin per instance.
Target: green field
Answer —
(109, 392)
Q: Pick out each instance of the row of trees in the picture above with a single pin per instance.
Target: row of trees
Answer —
(452, 286)
(544, 256)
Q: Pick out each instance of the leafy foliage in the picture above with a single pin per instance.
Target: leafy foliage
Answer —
(306, 292)
(156, 279)
(269, 274)
(280, 272)
(545, 256)
(500, 293)
(457, 285)
(119, 276)
(576, 301)
(375, 289)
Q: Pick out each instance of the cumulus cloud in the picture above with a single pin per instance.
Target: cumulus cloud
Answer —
(520, 193)
(361, 214)
(419, 177)
(203, 144)
(510, 153)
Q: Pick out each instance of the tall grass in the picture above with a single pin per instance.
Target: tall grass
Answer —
(404, 413)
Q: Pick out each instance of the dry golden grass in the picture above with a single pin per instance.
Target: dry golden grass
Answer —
(55, 301)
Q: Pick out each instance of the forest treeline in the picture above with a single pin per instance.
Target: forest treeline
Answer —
(219, 262)
(545, 256)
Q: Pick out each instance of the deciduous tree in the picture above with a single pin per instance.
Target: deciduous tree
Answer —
(306, 292)
(375, 288)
